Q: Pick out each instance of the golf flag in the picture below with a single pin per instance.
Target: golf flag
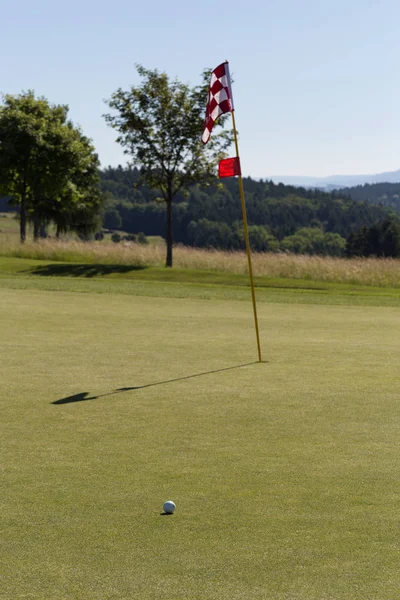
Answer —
(219, 99)
(229, 167)
(220, 102)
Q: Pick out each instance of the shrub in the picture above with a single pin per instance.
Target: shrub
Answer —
(141, 238)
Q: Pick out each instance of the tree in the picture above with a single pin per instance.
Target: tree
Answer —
(159, 124)
(381, 239)
(47, 165)
(78, 205)
(313, 240)
(112, 218)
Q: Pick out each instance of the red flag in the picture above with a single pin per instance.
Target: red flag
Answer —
(229, 167)
(219, 99)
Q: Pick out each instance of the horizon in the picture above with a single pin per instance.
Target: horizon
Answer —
(329, 178)
(299, 175)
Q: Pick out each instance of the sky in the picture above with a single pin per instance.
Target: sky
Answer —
(316, 82)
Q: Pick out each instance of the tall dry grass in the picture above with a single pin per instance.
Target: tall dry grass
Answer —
(364, 271)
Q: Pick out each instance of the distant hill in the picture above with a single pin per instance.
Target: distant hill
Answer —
(337, 181)
(384, 194)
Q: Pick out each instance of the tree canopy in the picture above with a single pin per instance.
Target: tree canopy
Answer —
(47, 166)
(386, 194)
(381, 239)
(159, 123)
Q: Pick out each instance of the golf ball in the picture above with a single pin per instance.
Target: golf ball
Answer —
(169, 507)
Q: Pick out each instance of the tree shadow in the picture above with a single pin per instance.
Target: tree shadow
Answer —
(83, 396)
(81, 270)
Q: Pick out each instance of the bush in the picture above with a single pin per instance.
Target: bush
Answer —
(116, 238)
(313, 240)
(141, 238)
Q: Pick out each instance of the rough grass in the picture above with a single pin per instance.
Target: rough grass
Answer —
(8, 224)
(371, 271)
(285, 474)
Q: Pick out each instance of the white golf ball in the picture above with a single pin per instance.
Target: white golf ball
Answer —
(169, 507)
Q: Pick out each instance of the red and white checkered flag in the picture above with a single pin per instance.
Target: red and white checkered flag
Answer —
(219, 99)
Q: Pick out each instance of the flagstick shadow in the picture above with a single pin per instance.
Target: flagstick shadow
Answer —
(83, 396)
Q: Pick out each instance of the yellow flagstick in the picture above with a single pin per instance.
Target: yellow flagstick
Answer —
(246, 234)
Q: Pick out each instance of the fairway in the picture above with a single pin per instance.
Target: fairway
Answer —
(285, 474)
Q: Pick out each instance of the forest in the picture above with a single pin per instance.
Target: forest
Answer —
(386, 194)
(353, 221)
(280, 217)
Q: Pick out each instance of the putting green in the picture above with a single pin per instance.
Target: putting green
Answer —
(285, 474)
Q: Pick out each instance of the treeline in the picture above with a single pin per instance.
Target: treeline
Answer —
(360, 221)
(385, 194)
(280, 217)
(381, 239)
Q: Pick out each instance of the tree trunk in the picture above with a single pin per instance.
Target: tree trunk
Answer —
(22, 220)
(36, 227)
(169, 233)
(22, 216)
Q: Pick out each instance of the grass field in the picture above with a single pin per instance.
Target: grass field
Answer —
(285, 474)
(376, 272)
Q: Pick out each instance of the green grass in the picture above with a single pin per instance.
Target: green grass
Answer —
(9, 229)
(285, 474)
(19, 273)
(8, 223)
(156, 240)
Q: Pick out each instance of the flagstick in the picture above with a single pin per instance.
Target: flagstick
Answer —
(246, 234)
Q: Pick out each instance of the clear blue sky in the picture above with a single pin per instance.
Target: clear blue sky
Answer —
(317, 82)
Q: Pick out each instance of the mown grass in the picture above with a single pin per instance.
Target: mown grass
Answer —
(20, 273)
(360, 271)
(285, 474)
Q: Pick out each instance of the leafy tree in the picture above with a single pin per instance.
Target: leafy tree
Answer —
(47, 166)
(333, 245)
(211, 234)
(357, 242)
(159, 124)
(141, 238)
(260, 238)
(381, 239)
(390, 237)
(112, 219)
(312, 240)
